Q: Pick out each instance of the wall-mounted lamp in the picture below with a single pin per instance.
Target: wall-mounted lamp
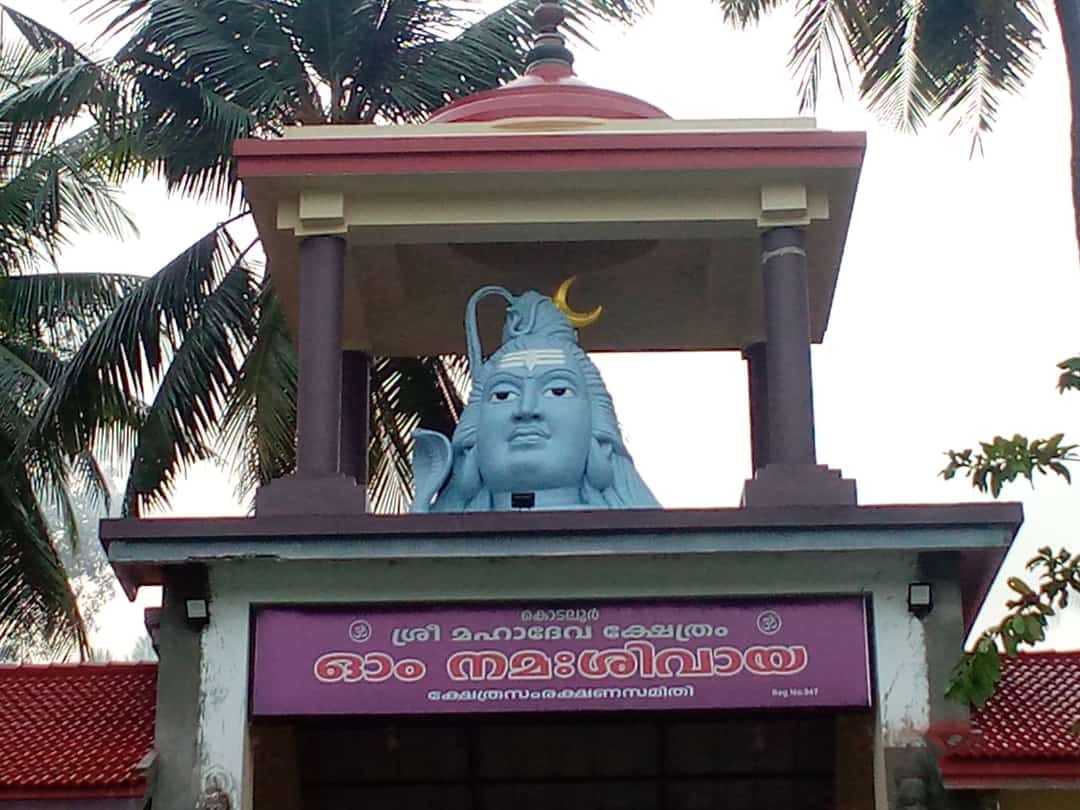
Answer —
(197, 612)
(920, 599)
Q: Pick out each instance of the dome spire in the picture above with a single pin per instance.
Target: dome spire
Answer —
(548, 44)
(548, 88)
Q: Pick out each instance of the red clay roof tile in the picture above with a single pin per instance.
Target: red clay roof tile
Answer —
(1030, 728)
(75, 728)
(1032, 711)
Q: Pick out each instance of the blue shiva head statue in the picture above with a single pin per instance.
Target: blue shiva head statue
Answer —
(539, 430)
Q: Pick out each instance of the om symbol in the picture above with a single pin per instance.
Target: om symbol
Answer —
(359, 631)
(768, 622)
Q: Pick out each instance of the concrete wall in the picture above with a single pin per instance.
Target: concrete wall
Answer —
(903, 677)
(203, 730)
(179, 691)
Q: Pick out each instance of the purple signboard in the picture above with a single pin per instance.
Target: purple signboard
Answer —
(580, 657)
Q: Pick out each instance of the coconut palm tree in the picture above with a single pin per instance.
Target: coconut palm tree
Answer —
(158, 372)
(53, 184)
(918, 58)
(41, 487)
(195, 75)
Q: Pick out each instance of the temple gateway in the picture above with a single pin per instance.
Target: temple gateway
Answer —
(539, 632)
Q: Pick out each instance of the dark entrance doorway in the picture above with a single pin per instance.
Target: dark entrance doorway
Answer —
(559, 762)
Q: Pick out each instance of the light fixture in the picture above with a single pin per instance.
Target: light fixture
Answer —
(920, 599)
(197, 612)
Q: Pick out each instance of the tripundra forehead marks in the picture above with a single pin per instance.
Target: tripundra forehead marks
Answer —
(531, 358)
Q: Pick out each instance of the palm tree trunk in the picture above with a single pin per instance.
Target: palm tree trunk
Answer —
(1068, 14)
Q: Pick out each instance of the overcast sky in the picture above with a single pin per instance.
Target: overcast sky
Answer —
(956, 296)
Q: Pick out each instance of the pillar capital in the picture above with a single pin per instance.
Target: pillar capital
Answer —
(313, 212)
(785, 205)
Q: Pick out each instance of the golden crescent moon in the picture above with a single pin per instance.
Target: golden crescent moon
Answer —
(579, 320)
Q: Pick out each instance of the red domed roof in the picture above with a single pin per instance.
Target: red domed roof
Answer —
(547, 90)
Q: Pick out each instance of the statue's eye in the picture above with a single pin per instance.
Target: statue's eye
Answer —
(503, 396)
(559, 391)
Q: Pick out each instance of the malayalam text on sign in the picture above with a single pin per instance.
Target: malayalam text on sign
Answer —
(593, 657)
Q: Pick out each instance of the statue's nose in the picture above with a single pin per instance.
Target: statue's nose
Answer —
(527, 403)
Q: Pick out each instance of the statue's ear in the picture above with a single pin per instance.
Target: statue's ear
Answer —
(431, 463)
(467, 469)
(599, 470)
(464, 481)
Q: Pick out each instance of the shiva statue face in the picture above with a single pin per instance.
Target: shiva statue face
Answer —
(535, 424)
(539, 431)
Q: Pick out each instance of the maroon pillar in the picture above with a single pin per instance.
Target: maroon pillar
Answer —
(323, 447)
(318, 417)
(787, 354)
(786, 472)
(355, 409)
(758, 389)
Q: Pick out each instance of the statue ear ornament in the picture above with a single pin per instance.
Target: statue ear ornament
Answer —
(599, 470)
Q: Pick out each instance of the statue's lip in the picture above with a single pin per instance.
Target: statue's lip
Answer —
(528, 435)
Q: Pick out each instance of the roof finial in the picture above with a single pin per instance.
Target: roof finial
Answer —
(548, 44)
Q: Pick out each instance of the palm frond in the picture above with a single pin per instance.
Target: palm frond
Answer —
(91, 482)
(22, 389)
(208, 72)
(180, 425)
(823, 34)
(237, 48)
(437, 69)
(34, 591)
(42, 38)
(59, 308)
(259, 426)
(50, 198)
(921, 57)
(744, 13)
(48, 84)
(41, 361)
(390, 440)
(896, 82)
(25, 372)
(40, 108)
(127, 354)
(408, 393)
(115, 16)
(188, 131)
(400, 85)
(33, 588)
(1003, 44)
(343, 45)
(22, 64)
